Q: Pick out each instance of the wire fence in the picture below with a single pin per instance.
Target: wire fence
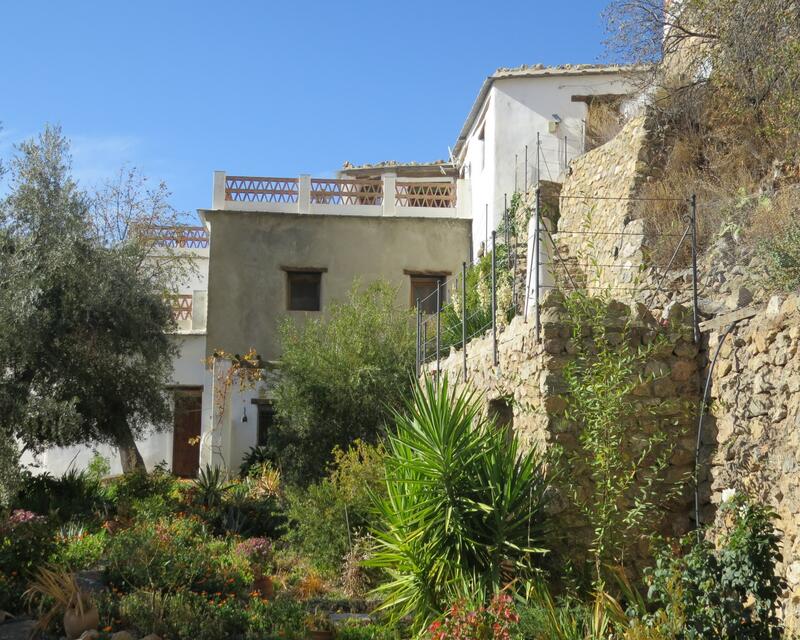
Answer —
(465, 306)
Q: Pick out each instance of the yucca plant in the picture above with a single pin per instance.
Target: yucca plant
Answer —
(463, 513)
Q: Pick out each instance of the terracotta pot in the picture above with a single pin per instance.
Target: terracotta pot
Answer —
(320, 635)
(265, 586)
(75, 623)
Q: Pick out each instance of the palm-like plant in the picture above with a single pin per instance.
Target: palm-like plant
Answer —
(464, 506)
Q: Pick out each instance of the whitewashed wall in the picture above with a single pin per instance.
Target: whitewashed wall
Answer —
(516, 109)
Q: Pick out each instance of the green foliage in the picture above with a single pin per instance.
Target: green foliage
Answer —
(730, 591)
(498, 620)
(96, 353)
(340, 378)
(75, 495)
(543, 617)
(10, 471)
(255, 457)
(281, 618)
(79, 549)
(139, 493)
(625, 466)
(327, 516)
(98, 468)
(463, 506)
(172, 554)
(479, 300)
(26, 543)
(359, 631)
(212, 485)
(782, 253)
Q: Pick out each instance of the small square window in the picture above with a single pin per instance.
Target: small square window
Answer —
(424, 290)
(304, 290)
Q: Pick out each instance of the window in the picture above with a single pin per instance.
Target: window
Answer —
(266, 421)
(423, 288)
(482, 146)
(304, 290)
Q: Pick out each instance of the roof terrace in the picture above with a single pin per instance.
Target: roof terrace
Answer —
(386, 196)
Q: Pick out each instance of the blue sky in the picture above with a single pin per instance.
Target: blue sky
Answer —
(179, 89)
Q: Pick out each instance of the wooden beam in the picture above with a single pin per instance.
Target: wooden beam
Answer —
(427, 274)
(304, 269)
(726, 319)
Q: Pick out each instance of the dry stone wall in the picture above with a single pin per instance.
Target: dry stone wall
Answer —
(526, 389)
(595, 198)
(756, 425)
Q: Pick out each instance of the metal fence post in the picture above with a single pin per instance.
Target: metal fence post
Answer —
(505, 216)
(538, 159)
(536, 260)
(494, 296)
(424, 341)
(565, 153)
(438, 325)
(464, 316)
(695, 303)
(419, 350)
(526, 168)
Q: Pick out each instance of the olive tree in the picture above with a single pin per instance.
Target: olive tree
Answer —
(84, 350)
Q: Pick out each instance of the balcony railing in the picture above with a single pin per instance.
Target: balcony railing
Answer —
(175, 237)
(426, 194)
(248, 189)
(181, 307)
(388, 196)
(325, 191)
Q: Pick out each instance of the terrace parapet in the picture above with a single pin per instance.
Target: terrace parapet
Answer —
(386, 196)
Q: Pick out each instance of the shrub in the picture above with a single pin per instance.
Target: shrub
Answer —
(182, 615)
(255, 457)
(281, 618)
(74, 495)
(151, 494)
(340, 378)
(78, 548)
(616, 475)
(26, 542)
(464, 507)
(782, 253)
(327, 516)
(170, 554)
(728, 591)
(497, 621)
(358, 631)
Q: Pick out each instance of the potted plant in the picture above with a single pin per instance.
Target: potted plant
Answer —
(60, 592)
(319, 625)
(258, 552)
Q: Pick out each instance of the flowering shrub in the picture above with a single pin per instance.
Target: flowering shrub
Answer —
(258, 552)
(21, 516)
(173, 554)
(26, 542)
(497, 621)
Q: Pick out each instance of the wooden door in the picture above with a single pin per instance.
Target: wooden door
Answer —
(186, 454)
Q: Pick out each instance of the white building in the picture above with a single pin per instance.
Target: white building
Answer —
(527, 124)
(172, 446)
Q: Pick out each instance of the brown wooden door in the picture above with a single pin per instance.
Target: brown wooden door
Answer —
(186, 455)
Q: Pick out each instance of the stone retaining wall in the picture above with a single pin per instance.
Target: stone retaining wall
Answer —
(526, 389)
(756, 425)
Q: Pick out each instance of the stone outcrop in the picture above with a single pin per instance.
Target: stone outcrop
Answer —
(755, 424)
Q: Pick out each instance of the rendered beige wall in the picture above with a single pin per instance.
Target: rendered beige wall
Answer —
(247, 289)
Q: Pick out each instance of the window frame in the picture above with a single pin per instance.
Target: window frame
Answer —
(307, 272)
(432, 278)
